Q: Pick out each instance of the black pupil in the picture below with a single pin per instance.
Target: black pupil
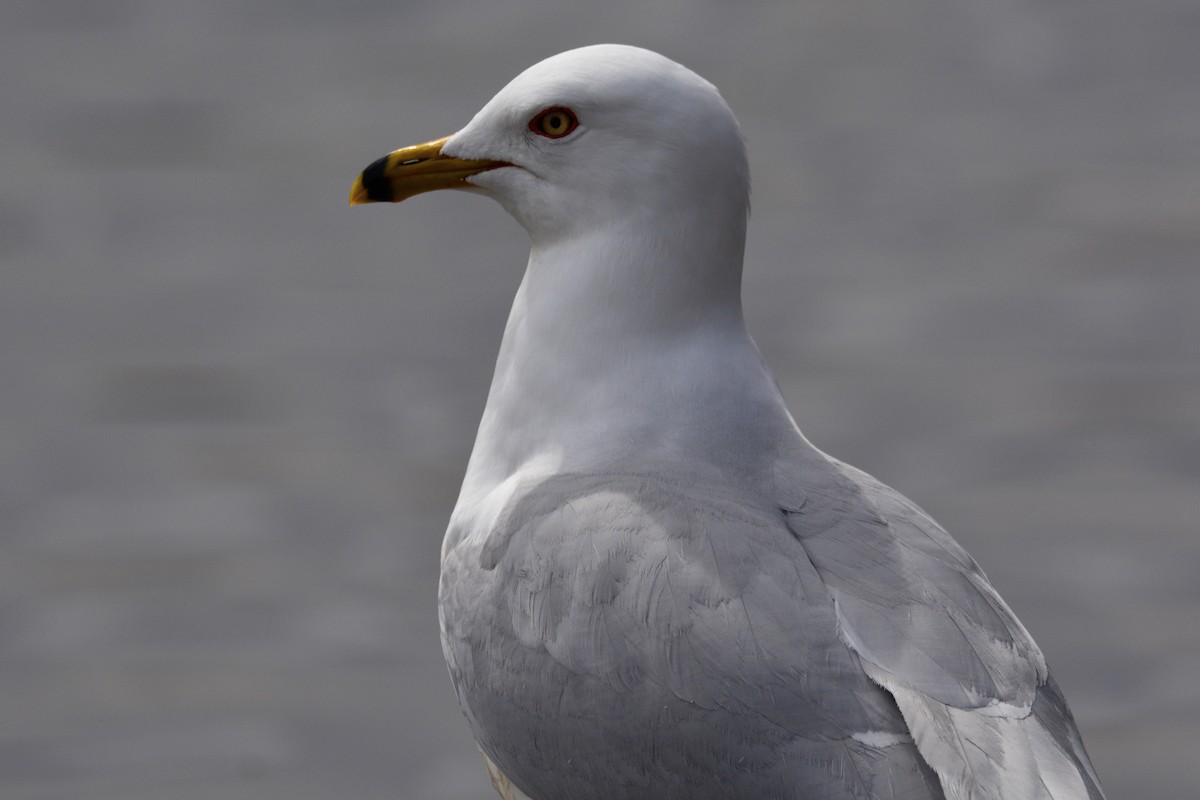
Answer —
(554, 122)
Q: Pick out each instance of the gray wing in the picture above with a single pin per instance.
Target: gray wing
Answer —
(623, 636)
(970, 681)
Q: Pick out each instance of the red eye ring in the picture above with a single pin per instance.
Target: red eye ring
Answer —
(554, 122)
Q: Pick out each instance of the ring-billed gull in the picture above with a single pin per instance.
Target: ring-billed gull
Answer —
(653, 586)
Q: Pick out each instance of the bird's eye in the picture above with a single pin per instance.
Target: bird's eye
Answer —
(554, 123)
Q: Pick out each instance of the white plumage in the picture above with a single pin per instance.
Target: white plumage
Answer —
(653, 586)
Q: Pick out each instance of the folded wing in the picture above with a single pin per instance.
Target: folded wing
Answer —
(971, 683)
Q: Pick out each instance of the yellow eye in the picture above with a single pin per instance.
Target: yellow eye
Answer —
(554, 123)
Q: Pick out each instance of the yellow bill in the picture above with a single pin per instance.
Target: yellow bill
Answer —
(412, 170)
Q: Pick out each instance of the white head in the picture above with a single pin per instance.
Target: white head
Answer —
(644, 138)
(630, 174)
(651, 136)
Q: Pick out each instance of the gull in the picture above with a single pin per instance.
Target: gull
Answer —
(653, 587)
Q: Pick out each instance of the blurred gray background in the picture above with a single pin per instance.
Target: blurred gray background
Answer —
(234, 412)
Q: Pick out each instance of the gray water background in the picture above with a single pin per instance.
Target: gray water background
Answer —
(234, 412)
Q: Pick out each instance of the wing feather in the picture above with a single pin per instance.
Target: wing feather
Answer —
(927, 625)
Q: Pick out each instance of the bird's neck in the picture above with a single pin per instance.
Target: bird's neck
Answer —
(613, 348)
